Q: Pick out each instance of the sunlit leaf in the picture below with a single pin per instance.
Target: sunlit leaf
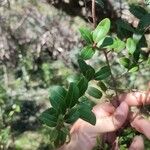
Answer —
(87, 52)
(86, 35)
(137, 37)
(74, 78)
(100, 42)
(101, 30)
(124, 62)
(134, 68)
(130, 45)
(118, 45)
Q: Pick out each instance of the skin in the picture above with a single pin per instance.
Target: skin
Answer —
(110, 119)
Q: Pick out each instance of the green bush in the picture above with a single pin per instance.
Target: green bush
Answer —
(67, 105)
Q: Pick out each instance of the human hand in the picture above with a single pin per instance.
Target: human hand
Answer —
(110, 119)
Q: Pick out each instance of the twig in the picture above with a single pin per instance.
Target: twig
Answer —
(86, 9)
(112, 77)
(105, 53)
(93, 13)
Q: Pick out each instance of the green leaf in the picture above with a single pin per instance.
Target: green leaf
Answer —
(130, 45)
(142, 43)
(86, 35)
(83, 66)
(72, 115)
(136, 55)
(90, 73)
(53, 135)
(148, 61)
(144, 22)
(118, 45)
(74, 78)
(107, 42)
(72, 95)
(94, 92)
(137, 11)
(137, 37)
(124, 62)
(86, 114)
(101, 30)
(100, 42)
(87, 52)
(103, 73)
(87, 70)
(82, 85)
(3, 95)
(49, 117)
(134, 68)
(102, 86)
(124, 25)
(85, 101)
(57, 98)
(61, 138)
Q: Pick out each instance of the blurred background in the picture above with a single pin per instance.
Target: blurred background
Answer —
(39, 42)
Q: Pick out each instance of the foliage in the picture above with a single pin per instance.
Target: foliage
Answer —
(67, 105)
(38, 50)
(5, 117)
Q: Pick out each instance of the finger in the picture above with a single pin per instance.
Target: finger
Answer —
(84, 134)
(113, 122)
(104, 109)
(109, 137)
(137, 143)
(100, 110)
(140, 124)
(79, 141)
(135, 98)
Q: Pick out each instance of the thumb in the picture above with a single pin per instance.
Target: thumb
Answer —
(137, 143)
(140, 124)
(113, 122)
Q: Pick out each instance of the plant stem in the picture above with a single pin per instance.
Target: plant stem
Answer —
(93, 13)
(105, 53)
(112, 77)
